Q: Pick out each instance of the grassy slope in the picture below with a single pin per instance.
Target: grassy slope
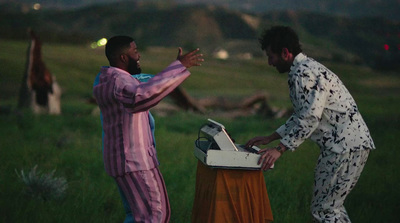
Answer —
(70, 143)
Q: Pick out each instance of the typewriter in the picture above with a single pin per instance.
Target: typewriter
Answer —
(215, 148)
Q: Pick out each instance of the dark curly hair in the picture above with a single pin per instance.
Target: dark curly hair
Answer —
(279, 37)
(116, 45)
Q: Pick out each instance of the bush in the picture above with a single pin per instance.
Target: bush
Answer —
(43, 186)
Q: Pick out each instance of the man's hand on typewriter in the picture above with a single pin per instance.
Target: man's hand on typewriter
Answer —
(262, 140)
(259, 140)
(270, 155)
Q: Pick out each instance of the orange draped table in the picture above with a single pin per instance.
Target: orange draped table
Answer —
(225, 195)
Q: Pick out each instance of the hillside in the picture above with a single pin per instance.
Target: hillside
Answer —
(388, 9)
(358, 40)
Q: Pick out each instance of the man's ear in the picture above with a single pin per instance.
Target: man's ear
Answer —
(286, 55)
(123, 58)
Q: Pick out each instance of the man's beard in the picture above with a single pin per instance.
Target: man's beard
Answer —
(282, 67)
(134, 68)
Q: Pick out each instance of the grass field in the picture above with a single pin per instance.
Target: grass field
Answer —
(71, 143)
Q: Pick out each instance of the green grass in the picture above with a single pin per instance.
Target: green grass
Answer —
(71, 142)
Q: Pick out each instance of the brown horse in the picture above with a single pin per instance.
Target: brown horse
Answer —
(39, 77)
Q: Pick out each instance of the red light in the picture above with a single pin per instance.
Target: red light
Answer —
(386, 47)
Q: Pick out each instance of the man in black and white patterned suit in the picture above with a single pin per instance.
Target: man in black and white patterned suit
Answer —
(325, 112)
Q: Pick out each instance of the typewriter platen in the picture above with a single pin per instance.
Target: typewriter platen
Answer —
(215, 148)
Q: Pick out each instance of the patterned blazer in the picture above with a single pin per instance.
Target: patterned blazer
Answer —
(124, 103)
(324, 110)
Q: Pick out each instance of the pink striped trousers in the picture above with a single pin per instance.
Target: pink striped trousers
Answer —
(147, 195)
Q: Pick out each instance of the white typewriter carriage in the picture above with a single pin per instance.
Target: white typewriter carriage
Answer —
(215, 148)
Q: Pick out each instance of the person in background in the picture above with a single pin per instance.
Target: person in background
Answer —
(325, 112)
(129, 152)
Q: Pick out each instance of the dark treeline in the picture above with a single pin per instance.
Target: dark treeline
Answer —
(374, 41)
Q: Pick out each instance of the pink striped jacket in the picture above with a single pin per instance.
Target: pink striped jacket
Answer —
(124, 103)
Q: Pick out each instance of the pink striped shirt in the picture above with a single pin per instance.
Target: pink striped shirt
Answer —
(124, 102)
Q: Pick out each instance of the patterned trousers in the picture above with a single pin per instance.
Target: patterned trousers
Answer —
(335, 176)
(146, 194)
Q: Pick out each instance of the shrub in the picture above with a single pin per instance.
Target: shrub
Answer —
(43, 185)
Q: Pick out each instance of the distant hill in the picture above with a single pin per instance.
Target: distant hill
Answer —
(389, 9)
(356, 40)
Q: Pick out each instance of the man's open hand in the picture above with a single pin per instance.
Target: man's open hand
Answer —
(190, 59)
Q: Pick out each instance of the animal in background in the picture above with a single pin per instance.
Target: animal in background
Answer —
(39, 77)
(39, 89)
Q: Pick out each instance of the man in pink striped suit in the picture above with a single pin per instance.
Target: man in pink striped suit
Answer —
(129, 153)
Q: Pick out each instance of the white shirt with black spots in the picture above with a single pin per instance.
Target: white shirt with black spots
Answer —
(324, 111)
